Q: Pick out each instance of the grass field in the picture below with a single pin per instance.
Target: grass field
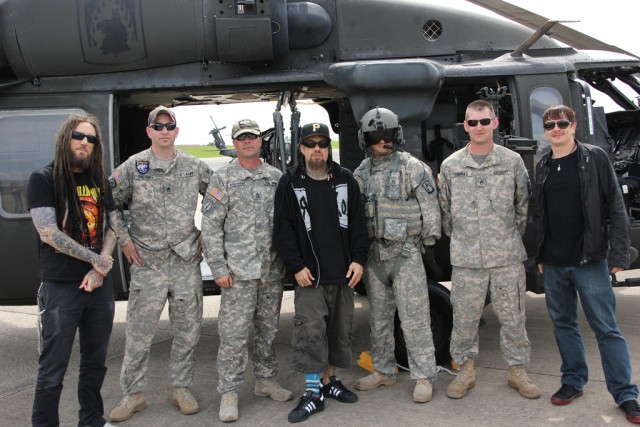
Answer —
(206, 151)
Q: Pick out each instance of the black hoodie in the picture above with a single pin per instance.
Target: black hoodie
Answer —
(290, 232)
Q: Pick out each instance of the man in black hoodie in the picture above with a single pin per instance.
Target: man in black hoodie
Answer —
(320, 234)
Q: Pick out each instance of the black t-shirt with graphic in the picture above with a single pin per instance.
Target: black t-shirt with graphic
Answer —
(325, 229)
(54, 265)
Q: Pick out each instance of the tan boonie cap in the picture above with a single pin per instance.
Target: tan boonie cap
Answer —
(245, 126)
(161, 109)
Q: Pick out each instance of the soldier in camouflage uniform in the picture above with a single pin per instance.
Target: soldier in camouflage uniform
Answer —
(483, 191)
(161, 186)
(237, 223)
(402, 214)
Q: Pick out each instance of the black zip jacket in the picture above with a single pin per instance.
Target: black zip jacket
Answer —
(290, 233)
(601, 202)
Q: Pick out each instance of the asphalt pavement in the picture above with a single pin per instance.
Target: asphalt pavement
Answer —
(490, 403)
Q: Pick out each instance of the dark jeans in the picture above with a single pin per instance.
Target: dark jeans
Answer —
(592, 283)
(63, 309)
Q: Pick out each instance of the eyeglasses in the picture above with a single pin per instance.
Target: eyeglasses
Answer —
(160, 126)
(314, 144)
(389, 135)
(483, 122)
(79, 136)
(562, 124)
(244, 136)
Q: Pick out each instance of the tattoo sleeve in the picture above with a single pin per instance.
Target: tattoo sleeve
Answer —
(110, 237)
(45, 221)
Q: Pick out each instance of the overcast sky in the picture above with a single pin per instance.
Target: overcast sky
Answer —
(612, 21)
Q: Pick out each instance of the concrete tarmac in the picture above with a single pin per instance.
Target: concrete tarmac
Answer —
(490, 403)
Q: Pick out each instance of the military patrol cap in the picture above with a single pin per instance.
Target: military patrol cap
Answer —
(245, 126)
(161, 109)
(311, 129)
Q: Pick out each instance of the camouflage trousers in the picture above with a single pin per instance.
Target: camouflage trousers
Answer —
(247, 302)
(468, 294)
(407, 291)
(164, 276)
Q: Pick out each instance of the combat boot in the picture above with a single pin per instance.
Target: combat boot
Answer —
(465, 381)
(374, 380)
(229, 407)
(423, 392)
(519, 380)
(268, 387)
(183, 399)
(129, 405)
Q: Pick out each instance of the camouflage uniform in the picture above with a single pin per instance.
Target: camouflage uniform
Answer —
(484, 211)
(162, 198)
(237, 224)
(402, 214)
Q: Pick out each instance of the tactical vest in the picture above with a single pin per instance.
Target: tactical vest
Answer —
(389, 216)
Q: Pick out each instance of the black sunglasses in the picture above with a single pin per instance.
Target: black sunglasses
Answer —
(389, 135)
(160, 126)
(483, 122)
(562, 124)
(79, 136)
(248, 136)
(314, 144)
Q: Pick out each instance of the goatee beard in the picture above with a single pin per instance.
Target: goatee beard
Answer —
(80, 164)
(317, 165)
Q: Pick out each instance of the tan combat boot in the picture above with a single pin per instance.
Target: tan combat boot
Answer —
(465, 381)
(519, 380)
(374, 380)
(183, 399)
(229, 407)
(129, 405)
(269, 387)
(423, 392)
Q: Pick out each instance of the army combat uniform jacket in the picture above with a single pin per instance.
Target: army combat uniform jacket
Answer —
(400, 203)
(484, 208)
(237, 221)
(162, 202)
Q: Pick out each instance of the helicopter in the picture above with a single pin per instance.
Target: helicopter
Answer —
(118, 59)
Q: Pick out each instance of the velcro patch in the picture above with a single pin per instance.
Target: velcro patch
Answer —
(216, 193)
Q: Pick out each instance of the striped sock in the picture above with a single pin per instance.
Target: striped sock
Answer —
(313, 383)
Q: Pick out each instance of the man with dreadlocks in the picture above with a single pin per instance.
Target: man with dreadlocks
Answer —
(403, 217)
(320, 234)
(72, 210)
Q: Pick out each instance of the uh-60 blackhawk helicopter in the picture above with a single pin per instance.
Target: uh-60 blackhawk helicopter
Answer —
(117, 59)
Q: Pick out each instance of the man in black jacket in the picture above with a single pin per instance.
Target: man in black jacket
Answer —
(580, 221)
(320, 234)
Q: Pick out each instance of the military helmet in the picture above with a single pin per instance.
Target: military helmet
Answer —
(379, 121)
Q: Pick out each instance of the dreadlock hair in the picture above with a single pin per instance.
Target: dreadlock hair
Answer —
(69, 212)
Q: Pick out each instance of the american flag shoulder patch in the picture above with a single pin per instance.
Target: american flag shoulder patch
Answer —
(216, 193)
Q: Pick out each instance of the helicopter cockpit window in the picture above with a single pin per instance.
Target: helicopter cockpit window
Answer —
(27, 143)
(542, 98)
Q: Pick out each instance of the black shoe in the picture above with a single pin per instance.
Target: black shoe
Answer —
(336, 390)
(307, 406)
(565, 395)
(632, 409)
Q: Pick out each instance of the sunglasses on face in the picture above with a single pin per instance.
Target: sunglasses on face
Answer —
(314, 144)
(562, 124)
(389, 135)
(79, 136)
(248, 136)
(160, 126)
(483, 122)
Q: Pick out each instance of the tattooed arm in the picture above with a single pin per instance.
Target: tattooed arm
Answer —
(45, 221)
(93, 279)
